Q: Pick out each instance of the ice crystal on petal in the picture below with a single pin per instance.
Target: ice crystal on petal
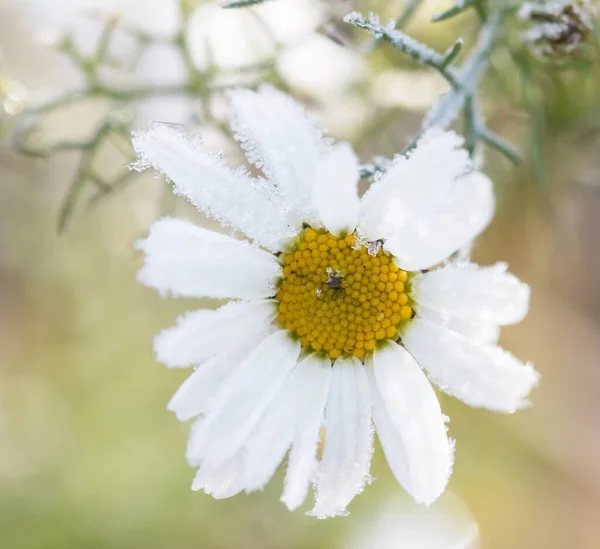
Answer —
(250, 205)
(374, 247)
(468, 291)
(416, 187)
(344, 468)
(281, 139)
(183, 259)
(480, 375)
(203, 334)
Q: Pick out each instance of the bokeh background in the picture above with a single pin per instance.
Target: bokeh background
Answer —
(89, 456)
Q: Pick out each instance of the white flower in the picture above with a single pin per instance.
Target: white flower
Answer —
(397, 523)
(335, 280)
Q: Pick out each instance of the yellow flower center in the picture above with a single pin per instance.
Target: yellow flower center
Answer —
(338, 297)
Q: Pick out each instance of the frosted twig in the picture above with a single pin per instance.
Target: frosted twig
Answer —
(409, 9)
(242, 3)
(459, 7)
(370, 169)
(417, 50)
(464, 80)
(198, 84)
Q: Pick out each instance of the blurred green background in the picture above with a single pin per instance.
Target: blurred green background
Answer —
(89, 456)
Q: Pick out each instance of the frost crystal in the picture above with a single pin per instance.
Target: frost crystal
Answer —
(374, 247)
(251, 205)
(274, 131)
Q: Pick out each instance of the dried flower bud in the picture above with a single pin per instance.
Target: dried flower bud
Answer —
(558, 27)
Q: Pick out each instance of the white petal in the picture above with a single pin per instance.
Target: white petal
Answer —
(275, 431)
(203, 387)
(413, 185)
(201, 335)
(410, 424)
(225, 481)
(428, 239)
(480, 375)
(280, 138)
(335, 195)
(475, 330)
(344, 468)
(233, 198)
(465, 290)
(186, 260)
(302, 465)
(243, 400)
(396, 522)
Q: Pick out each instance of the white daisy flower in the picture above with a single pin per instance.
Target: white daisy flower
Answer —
(334, 310)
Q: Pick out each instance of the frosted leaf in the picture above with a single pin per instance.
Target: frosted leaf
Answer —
(445, 111)
(204, 334)
(409, 423)
(480, 375)
(344, 468)
(466, 290)
(283, 141)
(236, 200)
(401, 41)
(243, 400)
(186, 260)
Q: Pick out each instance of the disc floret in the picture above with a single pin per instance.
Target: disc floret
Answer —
(337, 297)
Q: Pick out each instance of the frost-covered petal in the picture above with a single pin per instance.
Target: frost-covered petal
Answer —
(248, 205)
(225, 481)
(335, 194)
(414, 185)
(466, 290)
(480, 375)
(302, 463)
(242, 401)
(344, 468)
(201, 335)
(186, 260)
(410, 424)
(475, 330)
(201, 388)
(282, 140)
(302, 390)
(451, 224)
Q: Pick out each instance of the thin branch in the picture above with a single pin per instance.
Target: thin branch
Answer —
(409, 10)
(371, 169)
(199, 85)
(495, 141)
(401, 41)
(460, 7)
(242, 3)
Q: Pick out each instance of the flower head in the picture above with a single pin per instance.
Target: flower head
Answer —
(335, 307)
(558, 27)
